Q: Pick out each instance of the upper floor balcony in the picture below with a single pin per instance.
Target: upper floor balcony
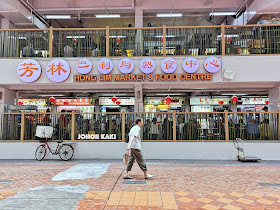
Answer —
(147, 41)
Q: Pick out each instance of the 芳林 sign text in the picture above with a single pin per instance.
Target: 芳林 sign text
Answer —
(58, 70)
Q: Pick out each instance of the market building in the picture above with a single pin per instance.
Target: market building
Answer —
(197, 85)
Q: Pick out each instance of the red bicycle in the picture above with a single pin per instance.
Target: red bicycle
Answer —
(65, 151)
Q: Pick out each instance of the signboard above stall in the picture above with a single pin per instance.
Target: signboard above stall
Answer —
(73, 101)
(196, 100)
(35, 102)
(161, 101)
(249, 101)
(107, 101)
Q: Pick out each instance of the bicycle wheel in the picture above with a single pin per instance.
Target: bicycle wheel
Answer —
(40, 152)
(66, 152)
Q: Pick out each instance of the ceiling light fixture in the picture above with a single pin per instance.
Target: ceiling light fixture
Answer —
(58, 16)
(170, 15)
(222, 13)
(107, 16)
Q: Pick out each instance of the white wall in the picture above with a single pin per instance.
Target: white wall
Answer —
(151, 150)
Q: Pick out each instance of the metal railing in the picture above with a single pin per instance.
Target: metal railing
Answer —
(146, 41)
(159, 126)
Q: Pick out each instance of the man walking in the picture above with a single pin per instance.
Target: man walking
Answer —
(134, 147)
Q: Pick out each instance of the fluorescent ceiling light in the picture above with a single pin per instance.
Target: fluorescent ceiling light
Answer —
(170, 15)
(117, 36)
(107, 16)
(50, 95)
(160, 36)
(58, 16)
(222, 13)
(237, 94)
(170, 94)
(75, 37)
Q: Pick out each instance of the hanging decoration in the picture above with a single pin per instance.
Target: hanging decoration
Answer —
(118, 40)
(114, 99)
(221, 102)
(52, 100)
(118, 103)
(20, 103)
(266, 102)
(234, 99)
(168, 102)
(66, 103)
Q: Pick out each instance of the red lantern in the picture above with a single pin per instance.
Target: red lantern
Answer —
(228, 39)
(66, 102)
(118, 40)
(234, 99)
(168, 102)
(52, 100)
(161, 39)
(75, 41)
(221, 102)
(118, 103)
(266, 102)
(114, 99)
(168, 98)
(20, 103)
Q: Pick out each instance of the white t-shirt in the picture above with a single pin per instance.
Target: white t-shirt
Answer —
(135, 131)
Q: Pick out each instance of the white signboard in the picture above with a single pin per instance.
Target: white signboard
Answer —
(105, 66)
(229, 74)
(190, 65)
(84, 66)
(249, 101)
(168, 65)
(147, 65)
(126, 65)
(108, 101)
(58, 70)
(207, 101)
(212, 64)
(29, 70)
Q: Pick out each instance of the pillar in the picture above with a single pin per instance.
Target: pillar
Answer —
(274, 99)
(6, 24)
(139, 106)
(187, 105)
(7, 97)
(139, 35)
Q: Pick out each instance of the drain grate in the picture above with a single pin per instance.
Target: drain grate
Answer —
(6, 181)
(134, 182)
(270, 184)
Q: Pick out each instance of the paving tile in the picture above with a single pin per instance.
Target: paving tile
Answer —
(256, 195)
(219, 194)
(231, 207)
(224, 200)
(185, 199)
(205, 200)
(265, 201)
(210, 207)
(246, 201)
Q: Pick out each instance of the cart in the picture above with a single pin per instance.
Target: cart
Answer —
(239, 145)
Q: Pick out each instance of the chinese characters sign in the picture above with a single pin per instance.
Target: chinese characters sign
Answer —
(76, 101)
(212, 64)
(29, 70)
(58, 70)
(147, 65)
(84, 66)
(190, 65)
(126, 65)
(168, 65)
(105, 66)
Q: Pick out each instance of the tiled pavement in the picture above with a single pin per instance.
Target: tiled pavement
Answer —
(174, 186)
